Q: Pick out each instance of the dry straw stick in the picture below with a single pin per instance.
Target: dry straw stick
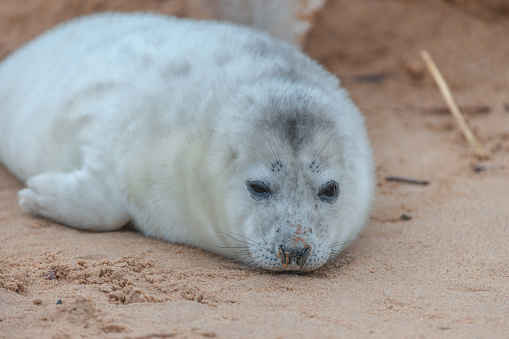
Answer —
(446, 93)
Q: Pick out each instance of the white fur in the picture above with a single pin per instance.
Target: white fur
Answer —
(118, 117)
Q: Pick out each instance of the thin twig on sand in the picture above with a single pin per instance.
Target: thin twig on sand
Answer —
(407, 180)
(477, 109)
(446, 94)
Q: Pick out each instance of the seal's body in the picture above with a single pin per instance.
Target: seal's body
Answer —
(201, 133)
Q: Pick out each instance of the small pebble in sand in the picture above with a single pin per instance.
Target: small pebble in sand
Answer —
(37, 301)
(406, 217)
(59, 302)
(50, 276)
(478, 168)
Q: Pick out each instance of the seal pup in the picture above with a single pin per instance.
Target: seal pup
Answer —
(199, 132)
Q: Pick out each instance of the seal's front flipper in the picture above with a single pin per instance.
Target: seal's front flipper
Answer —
(76, 199)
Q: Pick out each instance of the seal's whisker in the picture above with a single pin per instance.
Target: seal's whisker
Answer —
(231, 259)
(345, 254)
(239, 257)
(325, 159)
(325, 239)
(329, 156)
(253, 242)
(334, 245)
(325, 144)
(254, 258)
(278, 157)
(244, 242)
(261, 162)
(248, 265)
(272, 150)
(339, 243)
(344, 259)
(233, 255)
(244, 252)
(330, 164)
(263, 155)
(261, 235)
(243, 236)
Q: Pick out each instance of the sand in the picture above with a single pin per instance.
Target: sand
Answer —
(443, 273)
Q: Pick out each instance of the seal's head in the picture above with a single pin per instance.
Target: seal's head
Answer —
(300, 176)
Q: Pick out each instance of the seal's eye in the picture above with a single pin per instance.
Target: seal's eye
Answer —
(258, 190)
(329, 192)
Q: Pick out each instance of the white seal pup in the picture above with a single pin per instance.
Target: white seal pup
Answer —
(198, 132)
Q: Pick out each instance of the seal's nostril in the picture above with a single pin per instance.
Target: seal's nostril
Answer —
(284, 256)
(298, 256)
(304, 256)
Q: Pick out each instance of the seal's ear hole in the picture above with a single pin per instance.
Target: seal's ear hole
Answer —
(329, 192)
(233, 155)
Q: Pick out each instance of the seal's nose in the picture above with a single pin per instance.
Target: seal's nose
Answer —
(295, 255)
